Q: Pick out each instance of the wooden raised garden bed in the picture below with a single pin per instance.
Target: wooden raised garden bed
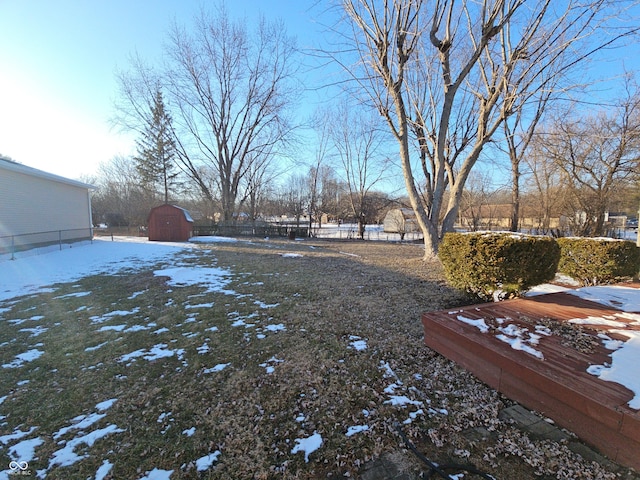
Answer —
(528, 350)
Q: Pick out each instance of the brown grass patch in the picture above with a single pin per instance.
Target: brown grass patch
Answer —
(278, 386)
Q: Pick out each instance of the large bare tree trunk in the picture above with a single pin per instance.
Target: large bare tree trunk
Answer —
(447, 74)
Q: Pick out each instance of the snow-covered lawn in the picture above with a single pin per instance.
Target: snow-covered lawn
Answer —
(146, 360)
(53, 281)
(34, 273)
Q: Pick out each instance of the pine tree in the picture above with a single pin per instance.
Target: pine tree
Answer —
(156, 152)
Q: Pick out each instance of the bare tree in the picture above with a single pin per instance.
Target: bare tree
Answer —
(256, 183)
(137, 94)
(545, 191)
(449, 73)
(119, 200)
(519, 130)
(332, 190)
(320, 180)
(359, 145)
(229, 90)
(296, 194)
(475, 205)
(233, 89)
(319, 172)
(597, 156)
(528, 99)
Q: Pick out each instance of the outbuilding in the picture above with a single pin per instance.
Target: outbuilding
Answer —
(400, 220)
(170, 223)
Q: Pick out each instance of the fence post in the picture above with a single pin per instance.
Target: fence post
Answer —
(13, 247)
(60, 239)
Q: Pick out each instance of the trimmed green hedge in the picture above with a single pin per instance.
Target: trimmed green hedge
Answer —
(594, 261)
(484, 262)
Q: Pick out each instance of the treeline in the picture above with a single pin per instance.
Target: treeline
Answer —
(121, 199)
(431, 96)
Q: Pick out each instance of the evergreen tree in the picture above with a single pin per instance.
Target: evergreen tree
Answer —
(156, 152)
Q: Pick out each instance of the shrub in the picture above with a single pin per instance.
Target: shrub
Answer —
(487, 263)
(594, 261)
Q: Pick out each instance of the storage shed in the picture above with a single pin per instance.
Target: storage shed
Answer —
(169, 223)
(400, 220)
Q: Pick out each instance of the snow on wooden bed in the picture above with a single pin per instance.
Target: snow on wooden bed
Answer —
(573, 356)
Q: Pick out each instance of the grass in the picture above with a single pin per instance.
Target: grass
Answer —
(278, 385)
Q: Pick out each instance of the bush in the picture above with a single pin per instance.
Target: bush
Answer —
(486, 263)
(594, 261)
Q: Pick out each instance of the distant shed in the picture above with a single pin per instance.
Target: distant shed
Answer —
(169, 223)
(400, 220)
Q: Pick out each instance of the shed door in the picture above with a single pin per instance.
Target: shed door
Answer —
(169, 227)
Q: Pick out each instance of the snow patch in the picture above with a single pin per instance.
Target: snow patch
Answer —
(623, 368)
(106, 405)
(21, 358)
(218, 368)
(204, 463)
(356, 429)
(357, 343)
(308, 445)
(25, 450)
(622, 298)
(605, 321)
(17, 435)
(156, 352)
(479, 323)
(67, 456)
(212, 278)
(157, 474)
(402, 400)
(275, 328)
(104, 470)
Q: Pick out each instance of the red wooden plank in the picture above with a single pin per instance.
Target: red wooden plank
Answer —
(631, 426)
(544, 376)
(595, 433)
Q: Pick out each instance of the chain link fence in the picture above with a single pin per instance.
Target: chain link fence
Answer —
(11, 244)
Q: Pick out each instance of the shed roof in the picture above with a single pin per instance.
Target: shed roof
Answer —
(406, 213)
(186, 214)
(11, 165)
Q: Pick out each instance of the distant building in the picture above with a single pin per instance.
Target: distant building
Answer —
(498, 217)
(400, 220)
(39, 208)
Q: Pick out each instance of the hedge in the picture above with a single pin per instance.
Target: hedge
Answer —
(507, 264)
(594, 261)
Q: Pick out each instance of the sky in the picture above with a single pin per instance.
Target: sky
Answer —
(58, 63)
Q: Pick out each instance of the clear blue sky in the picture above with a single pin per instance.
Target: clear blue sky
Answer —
(57, 70)
(58, 60)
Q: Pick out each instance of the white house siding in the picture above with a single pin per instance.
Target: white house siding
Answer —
(37, 207)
